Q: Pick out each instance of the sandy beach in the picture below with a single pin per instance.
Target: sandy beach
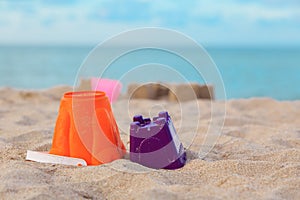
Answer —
(257, 155)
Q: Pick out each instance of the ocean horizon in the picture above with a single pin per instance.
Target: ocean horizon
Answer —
(246, 71)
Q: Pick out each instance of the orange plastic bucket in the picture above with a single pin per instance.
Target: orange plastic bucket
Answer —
(86, 128)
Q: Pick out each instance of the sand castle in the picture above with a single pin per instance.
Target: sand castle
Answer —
(172, 92)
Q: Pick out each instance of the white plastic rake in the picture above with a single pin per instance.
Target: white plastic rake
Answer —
(44, 157)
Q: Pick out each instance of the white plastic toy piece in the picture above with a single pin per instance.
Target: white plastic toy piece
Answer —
(44, 157)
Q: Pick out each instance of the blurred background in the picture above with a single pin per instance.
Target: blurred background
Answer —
(255, 44)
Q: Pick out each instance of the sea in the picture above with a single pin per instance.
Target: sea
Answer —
(246, 72)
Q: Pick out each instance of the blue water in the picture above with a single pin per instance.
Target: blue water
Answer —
(246, 72)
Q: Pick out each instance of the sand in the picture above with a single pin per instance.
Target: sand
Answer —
(257, 155)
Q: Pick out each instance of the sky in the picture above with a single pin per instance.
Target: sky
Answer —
(210, 22)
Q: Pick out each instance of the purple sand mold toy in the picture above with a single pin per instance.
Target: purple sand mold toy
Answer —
(156, 144)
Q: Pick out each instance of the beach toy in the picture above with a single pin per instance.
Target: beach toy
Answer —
(44, 157)
(86, 129)
(112, 88)
(156, 144)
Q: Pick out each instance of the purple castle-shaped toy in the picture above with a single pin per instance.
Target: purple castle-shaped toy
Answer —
(155, 144)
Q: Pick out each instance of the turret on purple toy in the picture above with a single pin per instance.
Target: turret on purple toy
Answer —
(156, 144)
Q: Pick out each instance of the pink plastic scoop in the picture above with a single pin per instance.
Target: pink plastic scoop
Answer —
(112, 88)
